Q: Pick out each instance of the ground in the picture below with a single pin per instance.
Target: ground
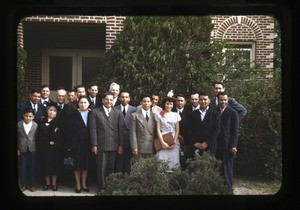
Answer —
(244, 186)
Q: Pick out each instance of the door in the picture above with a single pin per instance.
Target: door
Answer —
(68, 68)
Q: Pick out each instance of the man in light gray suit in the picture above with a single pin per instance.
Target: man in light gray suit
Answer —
(106, 133)
(124, 159)
(142, 129)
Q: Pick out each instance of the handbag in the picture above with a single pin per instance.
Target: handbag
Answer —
(69, 163)
(168, 138)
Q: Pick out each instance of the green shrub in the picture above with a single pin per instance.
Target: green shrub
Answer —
(151, 177)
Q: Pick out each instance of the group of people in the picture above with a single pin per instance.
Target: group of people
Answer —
(105, 133)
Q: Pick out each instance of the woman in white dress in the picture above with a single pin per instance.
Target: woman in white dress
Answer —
(168, 121)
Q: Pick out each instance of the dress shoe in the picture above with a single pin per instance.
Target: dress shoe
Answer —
(78, 190)
(32, 189)
(54, 187)
(86, 189)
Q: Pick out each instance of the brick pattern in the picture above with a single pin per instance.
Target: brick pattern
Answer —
(114, 24)
(258, 29)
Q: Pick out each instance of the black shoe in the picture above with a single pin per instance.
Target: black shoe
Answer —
(86, 189)
(78, 190)
(54, 187)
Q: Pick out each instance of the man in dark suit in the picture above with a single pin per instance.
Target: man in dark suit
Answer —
(93, 97)
(204, 126)
(124, 159)
(80, 91)
(106, 133)
(186, 147)
(219, 87)
(228, 138)
(194, 102)
(34, 104)
(45, 96)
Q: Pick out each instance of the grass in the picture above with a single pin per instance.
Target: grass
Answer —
(246, 186)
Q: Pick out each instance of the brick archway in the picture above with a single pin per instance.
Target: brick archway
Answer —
(239, 20)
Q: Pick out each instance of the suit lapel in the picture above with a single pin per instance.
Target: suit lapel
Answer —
(108, 120)
(143, 121)
(20, 125)
(33, 127)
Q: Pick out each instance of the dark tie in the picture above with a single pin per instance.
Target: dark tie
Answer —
(147, 117)
(124, 112)
(34, 108)
(93, 102)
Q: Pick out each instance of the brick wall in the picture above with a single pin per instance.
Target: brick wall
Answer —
(256, 29)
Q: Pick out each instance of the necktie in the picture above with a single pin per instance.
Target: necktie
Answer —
(147, 116)
(124, 112)
(93, 102)
(108, 112)
(34, 108)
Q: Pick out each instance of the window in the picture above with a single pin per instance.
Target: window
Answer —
(246, 50)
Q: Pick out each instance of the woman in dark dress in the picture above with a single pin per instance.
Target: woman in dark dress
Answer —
(78, 141)
(50, 140)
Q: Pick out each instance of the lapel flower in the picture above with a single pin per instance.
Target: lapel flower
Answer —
(47, 124)
(42, 117)
(162, 113)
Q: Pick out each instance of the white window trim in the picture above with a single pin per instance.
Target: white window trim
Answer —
(252, 50)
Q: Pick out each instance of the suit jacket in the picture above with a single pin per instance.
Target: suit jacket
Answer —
(106, 132)
(117, 102)
(130, 110)
(190, 107)
(206, 130)
(184, 125)
(98, 102)
(142, 133)
(27, 141)
(229, 133)
(37, 117)
(46, 103)
(242, 111)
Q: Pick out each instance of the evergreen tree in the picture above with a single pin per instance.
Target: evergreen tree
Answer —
(164, 52)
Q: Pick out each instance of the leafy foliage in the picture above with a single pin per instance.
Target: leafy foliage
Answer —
(22, 84)
(159, 53)
(150, 177)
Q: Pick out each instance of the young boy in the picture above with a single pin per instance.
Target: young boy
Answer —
(27, 130)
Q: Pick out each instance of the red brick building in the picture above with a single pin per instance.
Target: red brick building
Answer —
(74, 47)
